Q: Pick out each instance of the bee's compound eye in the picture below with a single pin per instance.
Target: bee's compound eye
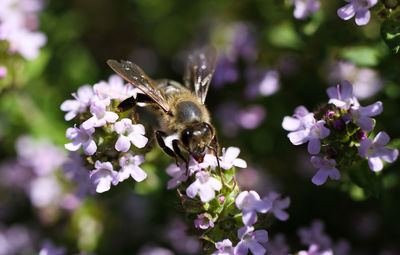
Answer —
(185, 136)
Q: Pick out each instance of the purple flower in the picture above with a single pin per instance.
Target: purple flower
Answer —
(250, 203)
(376, 152)
(130, 167)
(115, 88)
(343, 96)
(178, 174)
(250, 240)
(277, 205)
(314, 250)
(303, 8)
(224, 248)
(154, 251)
(230, 158)
(261, 81)
(75, 170)
(359, 8)
(103, 176)
(366, 82)
(3, 72)
(41, 155)
(17, 239)
(315, 235)
(205, 186)
(129, 133)
(81, 138)
(100, 115)
(82, 100)
(361, 115)
(310, 131)
(251, 117)
(296, 122)
(203, 221)
(45, 191)
(226, 71)
(277, 246)
(49, 249)
(326, 168)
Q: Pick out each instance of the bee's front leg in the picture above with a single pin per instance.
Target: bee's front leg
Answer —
(177, 150)
(165, 148)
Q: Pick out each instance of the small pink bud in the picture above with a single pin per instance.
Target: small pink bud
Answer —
(221, 199)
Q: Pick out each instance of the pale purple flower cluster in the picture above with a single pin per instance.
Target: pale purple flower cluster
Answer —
(18, 25)
(249, 202)
(319, 242)
(304, 8)
(341, 115)
(94, 110)
(366, 81)
(358, 8)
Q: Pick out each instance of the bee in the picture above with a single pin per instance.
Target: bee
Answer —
(181, 108)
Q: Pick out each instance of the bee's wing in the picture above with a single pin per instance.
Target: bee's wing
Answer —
(133, 74)
(200, 68)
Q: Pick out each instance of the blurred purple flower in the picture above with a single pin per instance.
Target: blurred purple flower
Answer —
(129, 133)
(205, 186)
(100, 116)
(3, 72)
(81, 138)
(41, 155)
(103, 176)
(277, 245)
(82, 100)
(130, 167)
(251, 117)
(180, 241)
(115, 88)
(48, 248)
(366, 81)
(45, 191)
(327, 167)
(226, 113)
(151, 250)
(261, 81)
(278, 205)
(361, 115)
(314, 250)
(303, 8)
(315, 235)
(376, 152)
(342, 96)
(251, 240)
(225, 72)
(245, 42)
(16, 239)
(75, 171)
(203, 221)
(224, 248)
(359, 8)
(250, 203)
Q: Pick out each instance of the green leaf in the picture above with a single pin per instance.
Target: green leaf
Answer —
(362, 55)
(366, 179)
(390, 32)
(284, 35)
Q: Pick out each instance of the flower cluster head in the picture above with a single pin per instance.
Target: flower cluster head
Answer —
(337, 134)
(358, 8)
(18, 26)
(104, 134)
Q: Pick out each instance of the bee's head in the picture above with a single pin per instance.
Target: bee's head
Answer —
(196, 138)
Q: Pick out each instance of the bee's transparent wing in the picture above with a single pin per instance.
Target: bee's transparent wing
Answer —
(133, 74)
(200, 68)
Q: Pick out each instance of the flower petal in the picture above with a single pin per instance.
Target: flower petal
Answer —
(366, 123)
(381, 139)
(123, 144)
(249, 217)
(138, 174)
(375, 163)
(320, 177)
(362, 17)
(314, 146)
(89, 147)
(346, 12)
(371, 110)
(290, 123)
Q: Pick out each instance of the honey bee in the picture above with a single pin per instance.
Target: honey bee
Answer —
(180, 107)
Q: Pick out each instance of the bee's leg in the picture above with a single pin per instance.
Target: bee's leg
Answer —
(165, 148)
(177, 151)
(215, 147)
(131, 102)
